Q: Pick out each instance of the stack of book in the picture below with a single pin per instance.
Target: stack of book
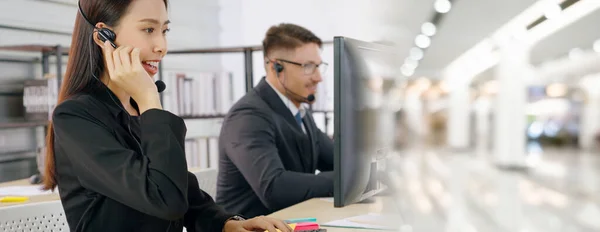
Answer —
(39, 98)
(202, 152)
(198, 94)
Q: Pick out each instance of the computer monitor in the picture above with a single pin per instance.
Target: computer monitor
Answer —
(364, 120)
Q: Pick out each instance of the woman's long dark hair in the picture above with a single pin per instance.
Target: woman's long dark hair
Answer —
(84, 52)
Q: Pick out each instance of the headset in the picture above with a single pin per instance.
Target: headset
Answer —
(278, 69)
(105, 34)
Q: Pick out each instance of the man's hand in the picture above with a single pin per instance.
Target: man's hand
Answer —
(259, 223)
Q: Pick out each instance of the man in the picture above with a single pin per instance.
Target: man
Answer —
(270, 147)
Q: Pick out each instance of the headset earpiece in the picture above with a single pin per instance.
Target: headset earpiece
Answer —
(278, 67)
(107, 34)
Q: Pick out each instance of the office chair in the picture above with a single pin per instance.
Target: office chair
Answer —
(207, 179)
(43, 216)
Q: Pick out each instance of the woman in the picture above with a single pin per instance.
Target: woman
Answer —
(118, 158)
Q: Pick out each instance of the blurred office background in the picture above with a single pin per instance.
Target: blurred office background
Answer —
(498, 121)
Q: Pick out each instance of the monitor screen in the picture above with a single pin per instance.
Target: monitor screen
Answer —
(365, 80)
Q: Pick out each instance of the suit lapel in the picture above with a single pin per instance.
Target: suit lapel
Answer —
(269, 96)
(272, 99)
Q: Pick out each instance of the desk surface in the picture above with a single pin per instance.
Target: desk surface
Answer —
(47, 197)
(32, 199)
(322, 209)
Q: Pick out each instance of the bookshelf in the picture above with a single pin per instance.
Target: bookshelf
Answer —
(248, 62)
(202, 152)
(27, 103)
(203, 96)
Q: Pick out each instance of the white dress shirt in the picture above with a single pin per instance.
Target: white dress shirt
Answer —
(290, 105)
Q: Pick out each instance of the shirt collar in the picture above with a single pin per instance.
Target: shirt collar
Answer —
(288, 102)
(111, 100)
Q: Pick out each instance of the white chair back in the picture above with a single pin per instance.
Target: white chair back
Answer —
(44, 216)
(207, 179)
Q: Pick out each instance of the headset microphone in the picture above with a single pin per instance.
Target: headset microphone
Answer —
(160, 86)
(278, 68)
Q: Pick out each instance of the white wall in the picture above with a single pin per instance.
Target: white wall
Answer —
(244, 23)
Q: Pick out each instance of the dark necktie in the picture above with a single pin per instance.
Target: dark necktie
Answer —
(299, 119)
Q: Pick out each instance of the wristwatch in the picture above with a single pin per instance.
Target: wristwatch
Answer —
(236, 218)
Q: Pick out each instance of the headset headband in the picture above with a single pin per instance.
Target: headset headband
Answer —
(83, 14)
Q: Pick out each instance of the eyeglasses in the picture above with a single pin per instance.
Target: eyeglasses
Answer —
(309, 68)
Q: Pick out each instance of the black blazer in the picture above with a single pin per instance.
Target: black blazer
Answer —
(109, 182)
(266, 161)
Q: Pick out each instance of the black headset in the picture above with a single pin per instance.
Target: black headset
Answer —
(104, 34)
(278, 69)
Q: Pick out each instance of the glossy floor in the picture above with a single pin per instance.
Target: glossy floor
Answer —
(447, 191)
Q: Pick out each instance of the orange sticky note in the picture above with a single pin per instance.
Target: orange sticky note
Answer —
(292, 225)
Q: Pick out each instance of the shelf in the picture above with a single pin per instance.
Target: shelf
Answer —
(321, 111)
(34, 48)
(204, 116)
(21, 123)
(224, 49)
(19, 60)
(17, 155)
(216, 50)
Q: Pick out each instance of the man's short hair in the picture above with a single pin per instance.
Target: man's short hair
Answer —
(288, 36)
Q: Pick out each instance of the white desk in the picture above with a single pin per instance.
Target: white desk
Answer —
(43, 198)
(324, 211)
(32, 199)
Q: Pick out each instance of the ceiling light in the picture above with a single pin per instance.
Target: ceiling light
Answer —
(407, 71)
(422, 41)
(596, 46)
(575, 53)
(411, 62)
(564, 19)
(442, 6)
(553, 10)
(417, 53)
(410, 66)
(428, 29)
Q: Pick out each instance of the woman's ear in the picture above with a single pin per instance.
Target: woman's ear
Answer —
(97, 37)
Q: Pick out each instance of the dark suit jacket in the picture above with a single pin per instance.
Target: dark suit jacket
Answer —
(266, 162)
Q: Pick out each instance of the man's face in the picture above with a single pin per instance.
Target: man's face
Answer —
(299, 79)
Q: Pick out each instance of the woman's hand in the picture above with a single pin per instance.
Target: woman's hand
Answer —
(126, 71)
(259, 223)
